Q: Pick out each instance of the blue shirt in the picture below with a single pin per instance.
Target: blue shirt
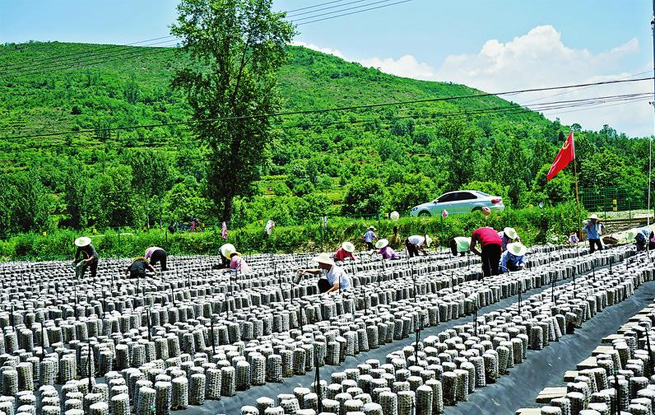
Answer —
(510, 262)
(369, 236)
(592, 230)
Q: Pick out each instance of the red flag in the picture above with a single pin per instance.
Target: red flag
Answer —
(564, 157)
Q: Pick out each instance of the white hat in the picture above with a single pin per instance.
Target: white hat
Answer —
(83, 241)
(517, 249)
(428, 241)
(510, 233)
(324, 258)
(227, 249)
(381, 243)
(371, 227)
(593, 216)
(348, 247)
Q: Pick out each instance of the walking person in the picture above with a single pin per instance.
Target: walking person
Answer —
(154, 255)
(593, 228)
(85, 257)
(369, 237)
(491, 246)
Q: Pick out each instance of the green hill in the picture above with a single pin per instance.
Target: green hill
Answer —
(93, 135)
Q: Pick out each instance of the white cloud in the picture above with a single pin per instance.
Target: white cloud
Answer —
(535, 60)
(311, 46)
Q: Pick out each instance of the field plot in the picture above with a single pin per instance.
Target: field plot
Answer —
(414, 336)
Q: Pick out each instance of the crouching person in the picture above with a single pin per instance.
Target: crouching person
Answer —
(332, 277)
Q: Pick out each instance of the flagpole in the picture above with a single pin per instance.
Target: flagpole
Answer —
(577, 196)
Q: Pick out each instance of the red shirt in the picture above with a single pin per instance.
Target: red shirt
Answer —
(486, 236)
(342, 254)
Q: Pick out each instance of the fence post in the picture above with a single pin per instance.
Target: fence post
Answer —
(119, 242)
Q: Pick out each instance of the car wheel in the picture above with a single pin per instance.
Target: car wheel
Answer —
(424, 213)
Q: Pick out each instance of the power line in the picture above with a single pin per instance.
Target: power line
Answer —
(337, 109)
(333, 7)
(316, 5)
(355, 12)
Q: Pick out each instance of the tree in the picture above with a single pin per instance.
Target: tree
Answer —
(237, 47)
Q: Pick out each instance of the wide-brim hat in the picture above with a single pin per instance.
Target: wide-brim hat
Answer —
(517, 249)
(348, 247)
(510, 233)
(324, 258)
(83, 241)
(381, 243)
(593, 216)
(226, 249)
(428, 241)
(372, 228)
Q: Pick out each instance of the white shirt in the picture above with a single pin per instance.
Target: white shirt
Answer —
(417, 240)
(337, 275)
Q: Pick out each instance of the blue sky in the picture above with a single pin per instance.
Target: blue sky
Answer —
(494, 45)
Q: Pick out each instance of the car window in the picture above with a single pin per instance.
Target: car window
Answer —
(449, 197)
(465, 196)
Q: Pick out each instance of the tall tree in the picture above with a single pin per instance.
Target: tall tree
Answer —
(237, 47)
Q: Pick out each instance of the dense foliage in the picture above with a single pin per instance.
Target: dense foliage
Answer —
(127, 157)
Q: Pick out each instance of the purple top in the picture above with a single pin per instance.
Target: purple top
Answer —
(388, 253)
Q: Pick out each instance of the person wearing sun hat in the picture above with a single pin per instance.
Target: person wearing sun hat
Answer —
(507, 236)
(344, 252)
(369, 237)
(223, 260)
(385, 250)
(593, 228)
(513, 258)
(490, 251)
(333, 276)
(85, 257)
(238, 263)
(416, 243)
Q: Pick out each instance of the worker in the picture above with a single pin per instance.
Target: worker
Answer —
(460, 245)
(512, 259)
(85, 257)
(491, 245)
(333, 277)
(507, 236)
(369, 237)
(594, 229)
(344, 252)
(155, 254)
(416, 243)
(385, 250)
(238, 263)
(138, 267)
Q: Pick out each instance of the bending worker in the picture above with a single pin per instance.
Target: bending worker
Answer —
(416, 243)
(138, 268)
(385, 250)
(85, 256)
(460, 245)
(513, 258)
(333, 277)
(490, 252)
(345, 251)
(155, 254)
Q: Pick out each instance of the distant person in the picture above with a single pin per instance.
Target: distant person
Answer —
(460, 245)
(194, 225)
(138, 267)
(85, 257)
(239, 264)
(369, 237)
(154, 255)
(507, 236)
(344, 252)
(593, 228)
(416, 243)
(385, 250)
(513, 258)
(333, 277)
(573, 239)
(394, 242)
(491, 245)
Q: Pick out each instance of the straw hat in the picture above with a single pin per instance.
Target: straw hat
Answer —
(428, 241)
(593, 217)
(510, 233)
(227, 249)
(381, 243)
(83, 241)
(517, 249)
(324, 258)
(371, 228)
(348, 247)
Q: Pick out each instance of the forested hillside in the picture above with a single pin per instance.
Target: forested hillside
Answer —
(94, 136)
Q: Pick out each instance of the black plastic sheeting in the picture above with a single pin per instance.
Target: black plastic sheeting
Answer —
(519, 389)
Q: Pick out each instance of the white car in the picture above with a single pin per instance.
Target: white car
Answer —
(461, 201)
